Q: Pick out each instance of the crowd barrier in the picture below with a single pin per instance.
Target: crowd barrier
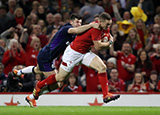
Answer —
(81, 99)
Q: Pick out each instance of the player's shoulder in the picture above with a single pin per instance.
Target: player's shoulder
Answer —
(95, 30)
(67, 25)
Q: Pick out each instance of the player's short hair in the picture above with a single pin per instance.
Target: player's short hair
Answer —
(75, 16)
(105, 16)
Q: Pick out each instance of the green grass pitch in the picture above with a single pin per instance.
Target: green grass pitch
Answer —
(78, 110)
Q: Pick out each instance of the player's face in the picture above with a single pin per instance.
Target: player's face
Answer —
(105, 24)
(76, 22)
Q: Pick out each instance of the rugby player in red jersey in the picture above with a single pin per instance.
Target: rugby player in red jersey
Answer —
(79, 52)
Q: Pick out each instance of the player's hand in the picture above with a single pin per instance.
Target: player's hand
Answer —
(95, 25)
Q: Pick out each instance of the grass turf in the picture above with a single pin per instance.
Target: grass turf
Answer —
(78, 110)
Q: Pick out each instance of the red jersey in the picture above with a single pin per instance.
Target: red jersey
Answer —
(83, 42)
(31, 56)
(9, 61)
(149, 89)
(137, 88)
(67, 88)
(91, 79)
(156, 61)
(119, 85)
(123, 73)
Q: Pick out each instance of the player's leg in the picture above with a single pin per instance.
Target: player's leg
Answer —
(94, 61)
(29, 69)
(53, 78)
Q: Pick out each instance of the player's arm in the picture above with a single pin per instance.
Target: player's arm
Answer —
(81, 29)
(98, 44)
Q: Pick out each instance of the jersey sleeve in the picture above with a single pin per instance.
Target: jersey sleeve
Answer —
(95, 34)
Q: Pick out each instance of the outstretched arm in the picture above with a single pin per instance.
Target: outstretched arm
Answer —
(81, 29)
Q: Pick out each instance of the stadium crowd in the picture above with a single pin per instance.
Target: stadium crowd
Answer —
(133, 60)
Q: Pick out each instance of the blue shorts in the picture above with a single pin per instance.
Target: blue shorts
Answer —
(44, 62)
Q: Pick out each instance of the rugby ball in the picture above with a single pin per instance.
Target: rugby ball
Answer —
(105, 37)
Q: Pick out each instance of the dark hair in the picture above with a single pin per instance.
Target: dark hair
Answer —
(114, 68)
(148, 62)
(74, 16)
(3, 7)
(75, 76)
(104, 16)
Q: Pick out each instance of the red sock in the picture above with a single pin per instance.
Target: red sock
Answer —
(103, 80)
(49, 80)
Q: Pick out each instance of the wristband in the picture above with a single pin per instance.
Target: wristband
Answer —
(110, 42)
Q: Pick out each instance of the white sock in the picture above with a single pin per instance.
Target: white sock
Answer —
(26, 70)
(31, 96)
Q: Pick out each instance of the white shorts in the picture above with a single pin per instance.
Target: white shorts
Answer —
(71, 58)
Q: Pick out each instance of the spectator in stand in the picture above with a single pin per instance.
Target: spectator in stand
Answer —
(157, 19)
(48, 7)
(49, 19)
(153, 85)
(35, 5)
(26, 82)
(124, 27)
(50, 22)
(41, 12)
(2, 48)
(134, 40)
(5, 21)
(12, 5)
(142, 31)
(111, 63)
(31, 19)
(9, 34)
(72, 84)
(155, 58)
(56, 24)
(115, 84)
(118, 38)
(120, 15)
(13, 56)
(31, 50)
(138, 84)
(20, 83)
(43, 26)
(107, 5)
(58, 21)
(103, 55)
(144, 63)
(3, 79)
(125, 62)
(92, 83)
(145, 5)
(153, 38)
(19, 16)
(37, 32)
(90, 10)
